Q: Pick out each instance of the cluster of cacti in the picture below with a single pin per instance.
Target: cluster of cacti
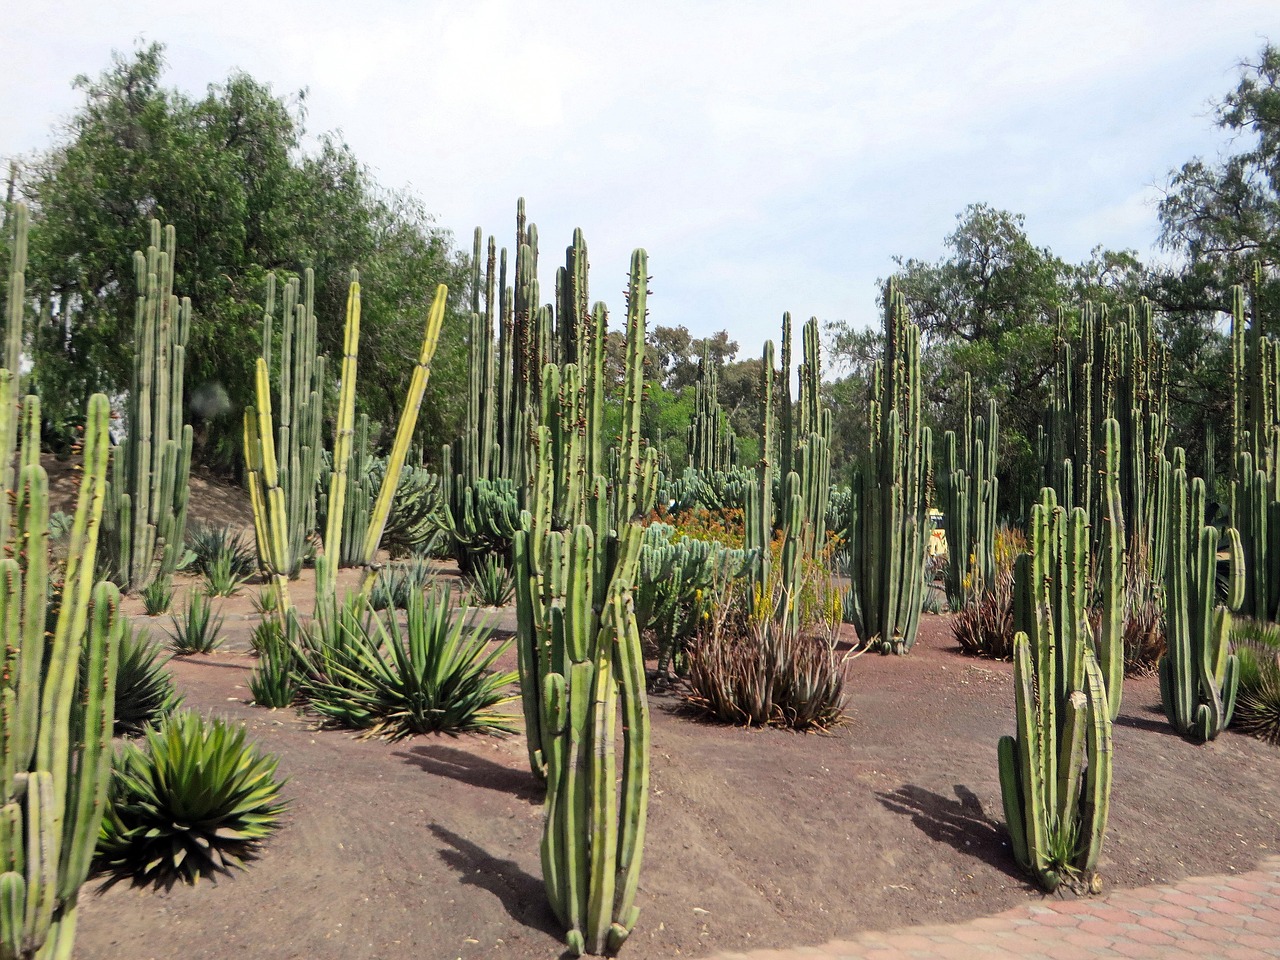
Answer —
(1055, 774)
(486, 471)
(271, 508)
(889, 523)
(299, 393)
(1116, 369)
(1255, 431)
(712, 445)
(967, 495)
(695, 490)
(55, 726)
(1198, 673)
(577, 558)
(146, 511)
(681, 581)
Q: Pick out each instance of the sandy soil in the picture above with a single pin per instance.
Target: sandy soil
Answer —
(757, 838)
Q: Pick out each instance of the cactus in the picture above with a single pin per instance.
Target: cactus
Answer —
(300, 397)
(1055, 774)
(146, 510)
(759, 506)
(56, 728)
(712, 445)
(10, 390)
(1198, 673)
(889, 525)
(967, 494)
(1255, 433)
(577, 557)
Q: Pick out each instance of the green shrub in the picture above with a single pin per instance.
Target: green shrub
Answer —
(198, 800)
(197, 631)
(145, 693)
(222, 578)
(209, 544)
(1258, 704)
(490, 583)
(273, 682)
(157, 596)
(365, 672)
(400, 581)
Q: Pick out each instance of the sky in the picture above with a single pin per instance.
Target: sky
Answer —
(770, 157)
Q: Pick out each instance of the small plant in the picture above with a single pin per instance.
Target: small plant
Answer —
(1258, 704)
(208, 544)
(157, 596)
(435, 675)
(197, 801)
(984, 627)
(273, 682)
(145, 693)
(223, 577)
(768, 677)
(197, 631)
(490, 583)
(396, 584)
(265, 602)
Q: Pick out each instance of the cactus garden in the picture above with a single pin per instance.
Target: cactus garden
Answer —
(401, 599)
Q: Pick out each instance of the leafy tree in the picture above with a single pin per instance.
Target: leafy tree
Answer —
(228, 171)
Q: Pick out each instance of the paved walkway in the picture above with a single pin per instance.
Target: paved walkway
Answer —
(1231, 917)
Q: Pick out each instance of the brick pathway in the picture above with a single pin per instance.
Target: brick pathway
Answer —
(1232, 917)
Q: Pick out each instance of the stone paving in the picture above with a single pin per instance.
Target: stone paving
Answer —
(1230, 917)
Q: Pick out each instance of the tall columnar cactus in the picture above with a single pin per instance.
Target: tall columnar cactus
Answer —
(1055, 774)
(759, 511)
(10, 390)
(299, 397)
(55, 725)
(146, 512)
(577, 557)
(271, 508)
(712, 446)
(1255, 433)
(1198, 673)
(889, 523)
(968, 491)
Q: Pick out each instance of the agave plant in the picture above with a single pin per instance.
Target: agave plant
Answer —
(365, 672)
(397, 583)
(157, 596)
(273, 682)
(210, 544)
(145, 693)
(1258, 705)
(198, 800)
(490, 583)
(223, 577)
(197, 630)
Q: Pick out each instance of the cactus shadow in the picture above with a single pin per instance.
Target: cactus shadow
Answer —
(1156, 723)
(960, 823)
(521, 894)
(465, 767)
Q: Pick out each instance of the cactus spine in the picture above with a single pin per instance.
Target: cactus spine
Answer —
(56, 731)
(1198, 673)
(967, 493)
(1055, 774)
(577, 558)
(146, 508)
(889, 524)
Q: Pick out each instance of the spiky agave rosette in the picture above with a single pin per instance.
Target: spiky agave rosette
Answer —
(198, 800)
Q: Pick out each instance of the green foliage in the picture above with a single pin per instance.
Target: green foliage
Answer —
(157, 596)
(222, 578)
(435, 674)
(229, 170)
(490, 583)
(273, 682)
(197, 631)
(145, 693)
(211, 543)
(198, 800)
(399, 582)
(1258, 705)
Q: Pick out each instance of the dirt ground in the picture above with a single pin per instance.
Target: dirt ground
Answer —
(757, 838)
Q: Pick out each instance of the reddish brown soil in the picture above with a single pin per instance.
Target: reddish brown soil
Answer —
(429, 848)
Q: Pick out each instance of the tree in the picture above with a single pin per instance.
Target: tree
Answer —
(228, 171)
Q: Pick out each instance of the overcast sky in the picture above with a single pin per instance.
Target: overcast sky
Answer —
(769, 156)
